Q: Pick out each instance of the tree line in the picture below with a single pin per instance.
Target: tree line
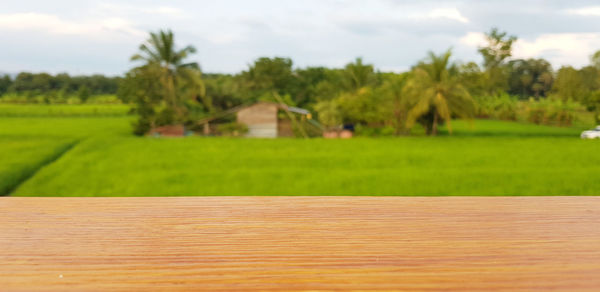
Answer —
(29, 87)
(167, 89)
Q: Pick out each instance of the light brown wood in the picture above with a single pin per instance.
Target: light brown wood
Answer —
(300, 243)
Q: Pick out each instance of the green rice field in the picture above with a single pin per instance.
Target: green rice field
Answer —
(88, 155)
(62, 110)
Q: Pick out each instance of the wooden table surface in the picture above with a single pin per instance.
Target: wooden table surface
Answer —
(300, 243)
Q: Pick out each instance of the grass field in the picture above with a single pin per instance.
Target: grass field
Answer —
(21, 158)
(63, 110)
(410, 166)
(29, 143)
(97, 156)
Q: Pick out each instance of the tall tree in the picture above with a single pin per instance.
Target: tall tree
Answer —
(358, 75)
(498, 49)
(596, 60)
(436, 94)
(5, 82)
(330, 114)
(267, 75)
(569, 85)
(590, 76)
(495, 53)
(141, 87)
(396, 101)
(180, 79)
(223, 90)
(306, 92)
(23, 82)
(363, 107)
(475, 80)
(530, 78)
(166, 87)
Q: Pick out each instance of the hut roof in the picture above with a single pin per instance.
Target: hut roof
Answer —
(298, 110)
(281, 106)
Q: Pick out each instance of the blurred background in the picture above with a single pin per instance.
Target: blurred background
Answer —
(144, 98)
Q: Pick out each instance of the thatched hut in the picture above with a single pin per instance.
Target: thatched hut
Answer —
(265, 119)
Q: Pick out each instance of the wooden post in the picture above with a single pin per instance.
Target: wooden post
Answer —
(207, 129)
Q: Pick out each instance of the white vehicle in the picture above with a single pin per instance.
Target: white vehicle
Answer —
(593, 134)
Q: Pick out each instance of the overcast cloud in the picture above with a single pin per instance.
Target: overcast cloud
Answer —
(87, 36)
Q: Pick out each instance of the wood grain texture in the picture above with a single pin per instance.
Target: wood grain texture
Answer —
(300, 243)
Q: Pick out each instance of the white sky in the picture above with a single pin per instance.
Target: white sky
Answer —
(92, 36)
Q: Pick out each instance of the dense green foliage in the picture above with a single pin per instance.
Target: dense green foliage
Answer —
(550, 111)
(532, 77)
(61, 88)
(166, 89)
(358, 95)
(437, 95)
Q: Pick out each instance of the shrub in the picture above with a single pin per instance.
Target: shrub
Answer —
(73, 100)
(104, 99)
(330, 115)
(141, 127)
(14, 98)
(552, 111)
(501, 107)
(367, 131)
(232, 129)
(144, 124)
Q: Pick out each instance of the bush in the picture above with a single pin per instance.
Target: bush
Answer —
(330, 115)
(14, 98)
(73, 100)
(141, 127)
(546, 111)
(166, 116)
(232, 129)
(144, 123)
(104, 99)
(552, 111)
(501, 107)
(57, 97)
(366, 131)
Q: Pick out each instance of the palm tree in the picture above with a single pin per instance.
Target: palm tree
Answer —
(358, 75)
(179, 79)
(436, 94)
(330, 115)
(394, 94)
